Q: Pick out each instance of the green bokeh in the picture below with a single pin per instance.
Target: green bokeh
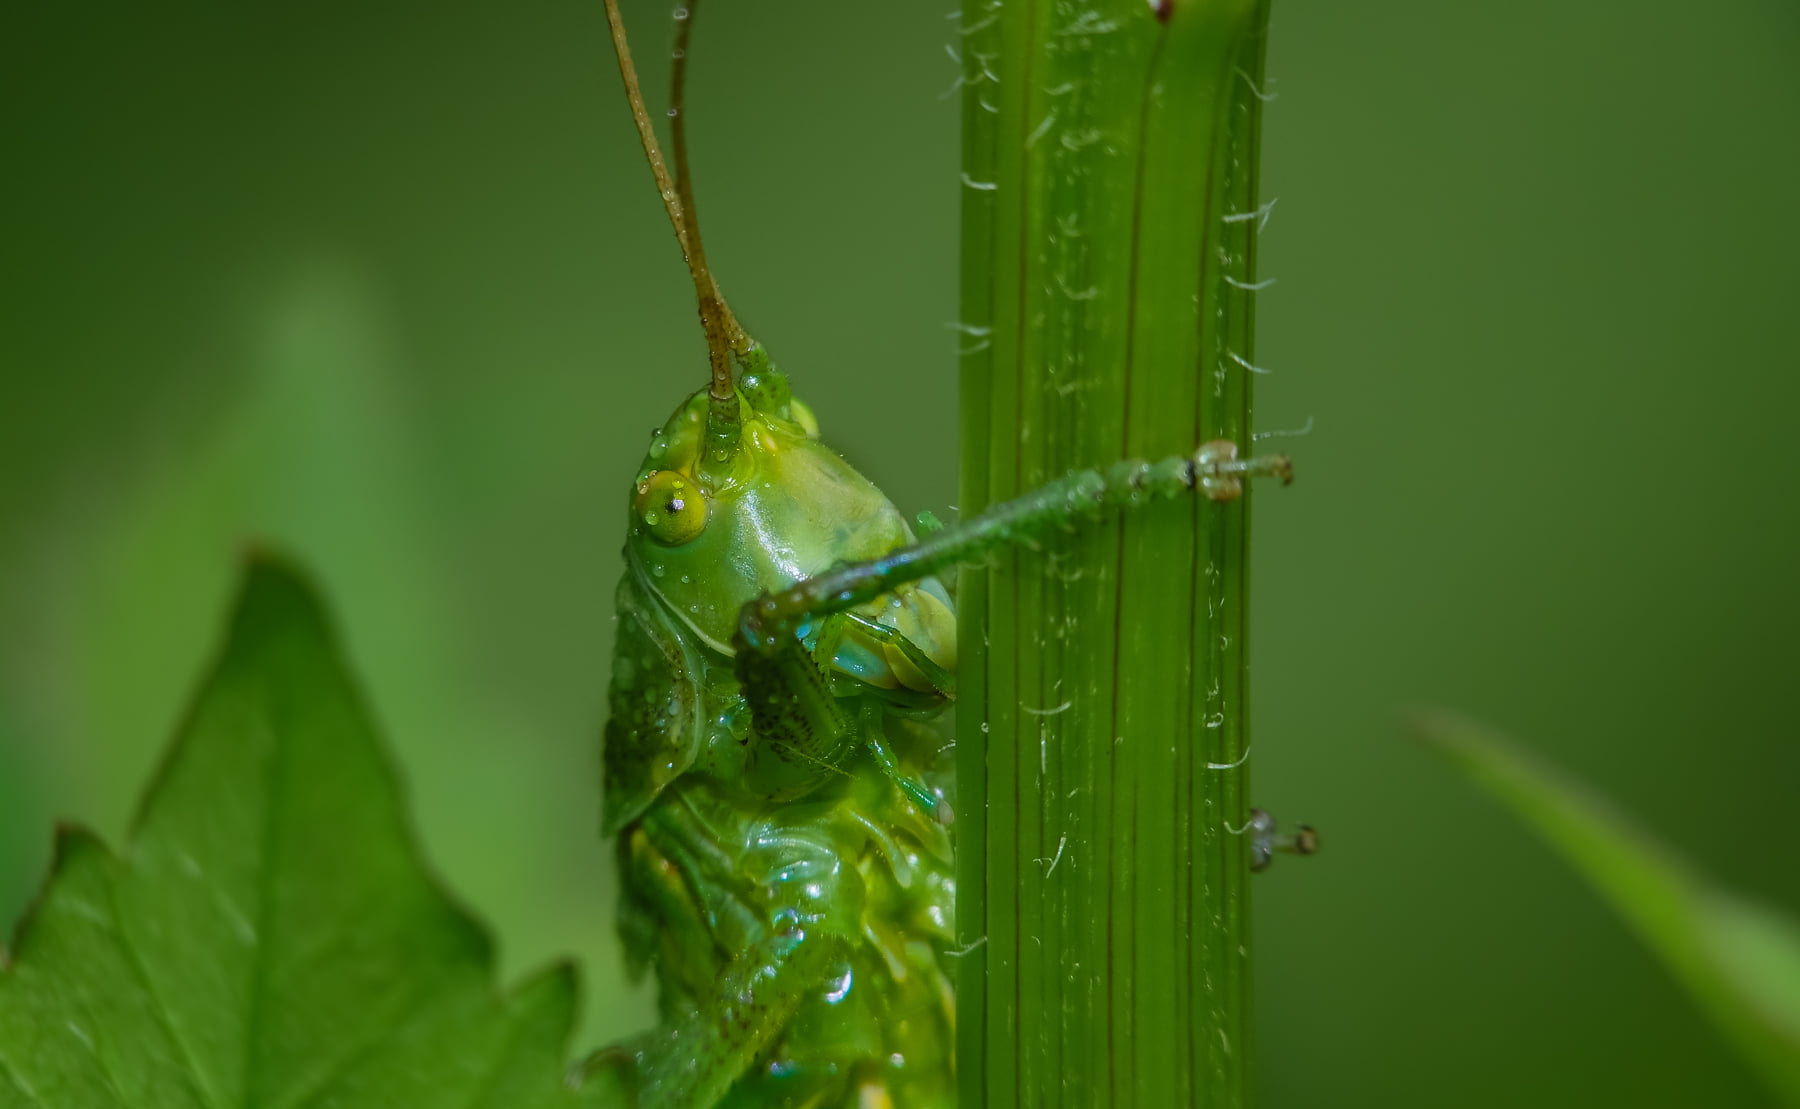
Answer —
(389, 287)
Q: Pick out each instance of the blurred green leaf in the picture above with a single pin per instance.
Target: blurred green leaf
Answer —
(269, 935)
(1741, 961)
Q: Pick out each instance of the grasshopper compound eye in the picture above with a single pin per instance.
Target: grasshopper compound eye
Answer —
(671, 506)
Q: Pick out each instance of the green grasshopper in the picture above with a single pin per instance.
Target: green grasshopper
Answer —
(775, 767)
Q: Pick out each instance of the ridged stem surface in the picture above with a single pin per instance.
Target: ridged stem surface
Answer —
(1109, 228)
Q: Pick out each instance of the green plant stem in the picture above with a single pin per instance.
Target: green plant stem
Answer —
(1108, 231)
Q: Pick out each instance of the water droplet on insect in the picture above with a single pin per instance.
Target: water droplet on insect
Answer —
(686, 579)
(658, 568)
(840, 989)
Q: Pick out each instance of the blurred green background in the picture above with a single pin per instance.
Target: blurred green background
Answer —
(388, 286)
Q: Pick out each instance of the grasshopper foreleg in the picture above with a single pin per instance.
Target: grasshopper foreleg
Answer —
(1215, 472)
(940, 679)
(803, 734)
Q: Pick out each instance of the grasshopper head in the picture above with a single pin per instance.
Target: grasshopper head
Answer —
(737, 497)
(725, 510)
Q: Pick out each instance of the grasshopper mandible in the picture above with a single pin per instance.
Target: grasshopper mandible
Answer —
(775, 770)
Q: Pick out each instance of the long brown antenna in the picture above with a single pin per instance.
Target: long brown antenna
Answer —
(684, 181)
(713, 313)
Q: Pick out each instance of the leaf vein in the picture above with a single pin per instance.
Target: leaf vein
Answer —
(497, 1065)
(402, 1018)
(93, 1050)
(264, 892)
(16, 1079)
(203, 1091)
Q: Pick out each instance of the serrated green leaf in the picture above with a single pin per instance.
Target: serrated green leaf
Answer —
(269, 935)
(1739, 960)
